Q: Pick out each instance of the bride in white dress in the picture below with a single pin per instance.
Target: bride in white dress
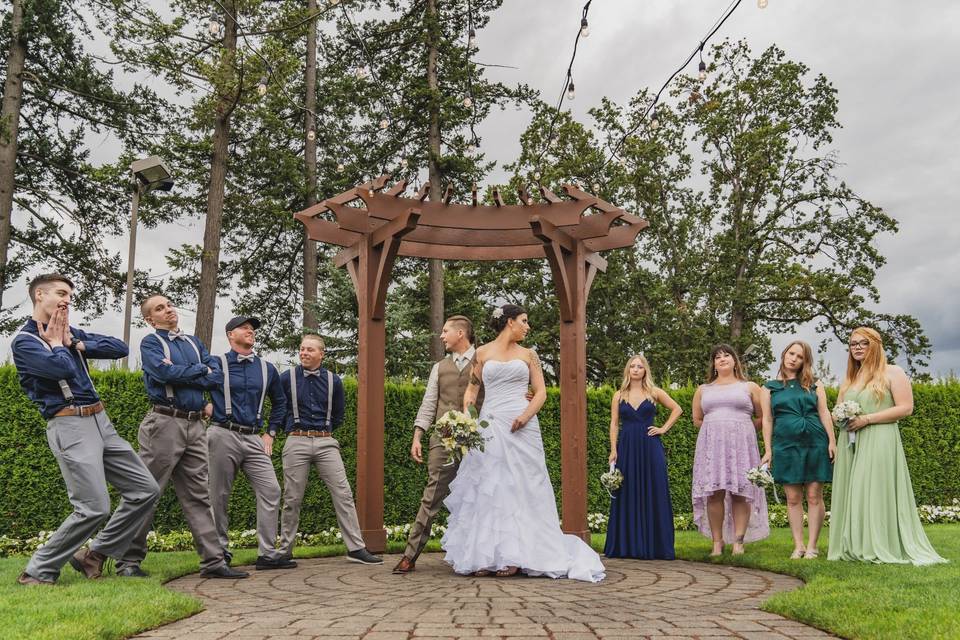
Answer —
(503, 513)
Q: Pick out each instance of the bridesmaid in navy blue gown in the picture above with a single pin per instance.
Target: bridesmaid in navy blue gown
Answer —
(641, 516)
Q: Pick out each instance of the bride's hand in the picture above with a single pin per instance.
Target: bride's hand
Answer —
(518, 423)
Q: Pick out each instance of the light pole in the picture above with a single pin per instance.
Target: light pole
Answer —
(148, 174)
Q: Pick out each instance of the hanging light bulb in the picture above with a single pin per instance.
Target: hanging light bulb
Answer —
(471, 148)
(654, 120)
(340, 168)
(472, 39)
(262, 85)
(468, 102)
(311, 135)
(213, 25)
(703, 71)
(403, 163)
(361, 72)
(584, 27)
(762, 4)
(596, 187)
(536, 175)
(571, 92)
(334, 2)
(384, 124)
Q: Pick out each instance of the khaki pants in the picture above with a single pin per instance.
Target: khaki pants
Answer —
(176, 449)
(229, 452)
(440, 474)
(299, 452)
(91, 454)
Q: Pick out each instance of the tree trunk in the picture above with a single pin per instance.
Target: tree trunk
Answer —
(435, 272)
(210, 260)
(310, 174)
(9, 124)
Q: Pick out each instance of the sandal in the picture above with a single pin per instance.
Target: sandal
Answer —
(811, 554)
(508, 572)
(482, 573)
(797, 553)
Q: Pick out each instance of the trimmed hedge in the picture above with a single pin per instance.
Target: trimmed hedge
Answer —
(33, 497)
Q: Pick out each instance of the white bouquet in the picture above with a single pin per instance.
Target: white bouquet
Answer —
(843, 412)
(460, 432)
(612, 479)
(761, 477)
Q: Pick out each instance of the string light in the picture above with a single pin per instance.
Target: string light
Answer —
(215, 26)
(596, 187)
(384, 124)
(334, 3)
(468, 102)
(471, 148)
(262, 86)
(340, 168)
(584, 27)
(311, 135)
(571, 91)
(762, 4)
(536, 176)
(362, 72)
(702, 75)
(472, 39)
(654, 120)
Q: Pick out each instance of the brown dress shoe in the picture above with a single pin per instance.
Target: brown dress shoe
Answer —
(88, 562)
(28, 580)
(406, 565)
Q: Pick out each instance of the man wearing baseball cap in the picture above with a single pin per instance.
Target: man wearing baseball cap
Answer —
(234, 441)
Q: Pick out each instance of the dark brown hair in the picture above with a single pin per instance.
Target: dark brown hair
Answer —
(737, 367)
(463, 323)
(45, 279)
(509, 311)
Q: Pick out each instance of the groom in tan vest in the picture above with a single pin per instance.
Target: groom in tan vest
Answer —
(445, 388)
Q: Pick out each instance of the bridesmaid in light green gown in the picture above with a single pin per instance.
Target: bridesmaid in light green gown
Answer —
(873, 514)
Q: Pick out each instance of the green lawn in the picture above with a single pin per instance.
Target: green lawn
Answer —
(856, 600)
(852, 600)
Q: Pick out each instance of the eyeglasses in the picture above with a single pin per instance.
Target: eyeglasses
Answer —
(859, 344)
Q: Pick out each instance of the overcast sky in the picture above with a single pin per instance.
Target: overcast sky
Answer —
(893, 63)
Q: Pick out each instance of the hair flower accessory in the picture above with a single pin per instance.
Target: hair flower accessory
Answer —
(498, 313)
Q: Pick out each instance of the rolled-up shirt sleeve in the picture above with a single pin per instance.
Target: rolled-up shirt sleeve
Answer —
(428, 407)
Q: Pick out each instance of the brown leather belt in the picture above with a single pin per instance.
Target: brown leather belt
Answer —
(83, 412)
(311, 433)
(239, 428)
(177, 413)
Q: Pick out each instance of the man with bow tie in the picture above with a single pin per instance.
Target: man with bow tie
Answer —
(315, 409)
(177, 369)
(51, 360)
(234, 441)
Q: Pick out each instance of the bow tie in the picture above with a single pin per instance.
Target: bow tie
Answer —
(246, 358)
(176, 333)
(307, 372)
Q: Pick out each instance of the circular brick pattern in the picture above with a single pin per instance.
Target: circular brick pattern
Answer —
(334, 599)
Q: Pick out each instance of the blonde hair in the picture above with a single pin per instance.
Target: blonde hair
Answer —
(646, 384)
(805, 375)
(872, 371)
(316, 338)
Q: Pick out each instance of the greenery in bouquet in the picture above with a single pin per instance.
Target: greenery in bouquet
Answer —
(460, 432)
(611, 480)
(845, 411)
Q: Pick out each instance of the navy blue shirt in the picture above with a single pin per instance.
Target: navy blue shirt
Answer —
(188, 376)
(246, 386)
(40, 368)
(312, 400)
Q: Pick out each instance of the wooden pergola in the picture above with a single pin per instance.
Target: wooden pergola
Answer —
(374, 225)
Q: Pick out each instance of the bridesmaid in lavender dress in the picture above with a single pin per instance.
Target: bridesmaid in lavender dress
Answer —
(724, 410)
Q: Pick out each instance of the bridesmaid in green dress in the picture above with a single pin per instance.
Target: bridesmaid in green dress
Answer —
(874, 514)
(798, 442)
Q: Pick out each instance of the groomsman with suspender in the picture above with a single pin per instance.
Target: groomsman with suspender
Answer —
(235, 443)
(50, 357)
(177, 369)
(315, 401)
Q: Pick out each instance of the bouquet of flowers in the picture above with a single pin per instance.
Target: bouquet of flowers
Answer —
(843, 412)
(460, 432)
(762, 477)
(612, 479)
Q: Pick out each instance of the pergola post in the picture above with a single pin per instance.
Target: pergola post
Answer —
(370, 263)
(573, 267)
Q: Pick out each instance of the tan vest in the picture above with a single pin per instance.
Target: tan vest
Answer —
(452, 384)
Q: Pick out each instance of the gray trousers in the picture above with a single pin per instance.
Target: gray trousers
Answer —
(176, 449)
(229, 452)
(91, 454)
(440, 473)
(299, 452)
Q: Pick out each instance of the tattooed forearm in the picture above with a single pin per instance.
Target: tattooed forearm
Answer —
(474, 380)
(535, 362)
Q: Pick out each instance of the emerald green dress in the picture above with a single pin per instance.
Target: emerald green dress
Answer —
(800, 443)
(873, 514)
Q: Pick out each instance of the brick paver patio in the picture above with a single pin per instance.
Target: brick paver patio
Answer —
(334, 599)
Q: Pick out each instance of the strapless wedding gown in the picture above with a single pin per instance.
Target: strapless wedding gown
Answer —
(502, 508)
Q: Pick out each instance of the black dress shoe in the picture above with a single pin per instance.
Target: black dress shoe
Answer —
(363, 557)
(223, 571)
(266, 564)
(227, 557)
(132, 571)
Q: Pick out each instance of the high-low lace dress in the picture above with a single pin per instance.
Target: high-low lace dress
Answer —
(502, 508)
